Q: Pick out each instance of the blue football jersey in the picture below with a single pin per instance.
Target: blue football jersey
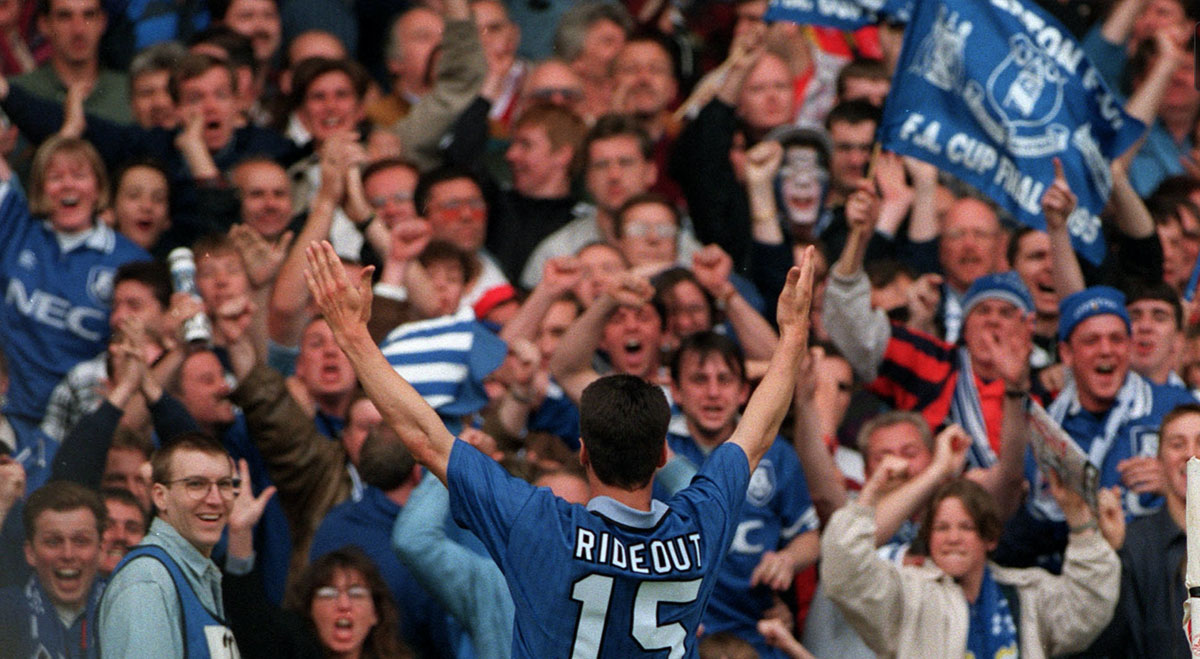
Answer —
(604, 580)
(778, 508)
(56, 305)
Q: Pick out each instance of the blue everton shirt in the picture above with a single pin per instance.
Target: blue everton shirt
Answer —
(777, 509)
(1135, 437)
(56, 304)
(606, 580)
(1037, 534)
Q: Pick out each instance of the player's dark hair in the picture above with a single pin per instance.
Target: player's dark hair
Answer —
(623, 420)
(704, 345)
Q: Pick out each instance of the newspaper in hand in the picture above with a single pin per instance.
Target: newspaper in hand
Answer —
(1054, 450)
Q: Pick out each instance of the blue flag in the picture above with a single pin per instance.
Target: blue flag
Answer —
(990, 91)
(840, 14)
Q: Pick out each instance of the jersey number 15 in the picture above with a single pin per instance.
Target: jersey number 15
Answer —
(594, 592)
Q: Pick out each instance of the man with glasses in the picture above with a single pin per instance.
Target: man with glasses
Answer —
(164, 599)
(452, 200)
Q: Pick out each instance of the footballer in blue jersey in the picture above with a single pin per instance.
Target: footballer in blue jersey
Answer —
(776, 533)
(624, 576)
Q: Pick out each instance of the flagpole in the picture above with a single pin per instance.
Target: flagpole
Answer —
(1191, 608)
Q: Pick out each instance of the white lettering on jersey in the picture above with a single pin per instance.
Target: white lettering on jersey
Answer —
(56, 312)
(678, 554)
(741, 543)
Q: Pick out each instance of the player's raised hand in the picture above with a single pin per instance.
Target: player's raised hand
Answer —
(1058, 201)
(795, 301)
(344, 304)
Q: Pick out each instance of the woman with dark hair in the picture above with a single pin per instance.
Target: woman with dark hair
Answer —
(958, 602)
(343, 607)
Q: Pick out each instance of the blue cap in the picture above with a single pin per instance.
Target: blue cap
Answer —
(1094, 301)
(1005, 286)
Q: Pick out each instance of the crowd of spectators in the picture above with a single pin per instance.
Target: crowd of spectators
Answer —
(543, 193)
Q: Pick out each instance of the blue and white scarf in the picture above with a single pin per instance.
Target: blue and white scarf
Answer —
(967, 411)
(1134, 400)
(47, 636)
(992, 631)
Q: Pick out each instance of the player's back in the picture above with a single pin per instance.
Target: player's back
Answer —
(609, 580)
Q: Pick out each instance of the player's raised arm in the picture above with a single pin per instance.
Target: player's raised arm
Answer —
(346, 307)
(771, 398)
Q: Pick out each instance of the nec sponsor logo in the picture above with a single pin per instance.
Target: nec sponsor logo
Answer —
(85, 322)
